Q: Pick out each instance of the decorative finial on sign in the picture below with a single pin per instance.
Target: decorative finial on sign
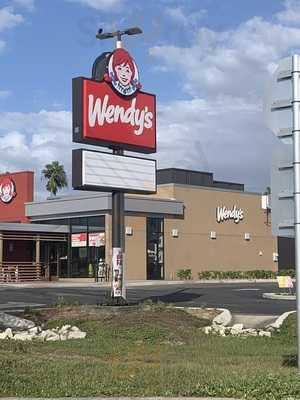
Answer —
(118, 34)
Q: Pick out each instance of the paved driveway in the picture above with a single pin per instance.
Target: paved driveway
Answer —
(243, 298)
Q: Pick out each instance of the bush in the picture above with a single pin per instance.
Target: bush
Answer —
(184, 274)
(287, 272)
(255, 274)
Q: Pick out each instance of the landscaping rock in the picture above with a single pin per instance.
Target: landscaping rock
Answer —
(76, 335)
(16, 323)
(264, 333)
(23, 336)
(235, 330)
(21, 329)
(64, 328)
(207, 330)
(52, 338)
(7, 334)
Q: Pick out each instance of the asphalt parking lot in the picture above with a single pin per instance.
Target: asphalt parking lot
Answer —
(244, 298)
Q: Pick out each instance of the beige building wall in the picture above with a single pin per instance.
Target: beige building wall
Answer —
(135, 247)
(229, 251)
(193, 248)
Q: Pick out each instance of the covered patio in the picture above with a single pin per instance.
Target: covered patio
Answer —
(32, 251)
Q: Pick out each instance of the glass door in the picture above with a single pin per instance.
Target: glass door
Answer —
(155, 248)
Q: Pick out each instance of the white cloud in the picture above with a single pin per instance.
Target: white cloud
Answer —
(102, 5)
(234, 63)
(177, 15)
(226, 137)
(30, 140)
(225, 72)
(9, 19)
(291, 13)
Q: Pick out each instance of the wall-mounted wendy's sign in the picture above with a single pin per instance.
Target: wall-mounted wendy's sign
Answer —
(223, 214)
(110, 109)
(7, 190)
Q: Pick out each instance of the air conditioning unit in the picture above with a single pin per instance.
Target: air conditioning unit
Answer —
(129, 231)
(213, 235)
(247, 236)
(174, 233)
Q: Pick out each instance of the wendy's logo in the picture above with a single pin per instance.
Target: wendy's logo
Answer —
(7, 190)
(123, 73)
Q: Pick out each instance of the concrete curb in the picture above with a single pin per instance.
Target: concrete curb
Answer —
(280, 320)
(224, 318)
(274, 296)
(40, 285)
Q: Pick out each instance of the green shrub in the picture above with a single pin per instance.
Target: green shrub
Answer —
(255, 274)
(184, 274)
(287, 272)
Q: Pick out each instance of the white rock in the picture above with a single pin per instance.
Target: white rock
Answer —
(63, 336)
(237, 327)
(9, 333)
(53, 338)
(207, 330)
(44, 335)
(35, 330)
(75, 329)
(76, 335)
(249, 332)
(65, 328)
(22, 336)
(11, 321)
(264, 333)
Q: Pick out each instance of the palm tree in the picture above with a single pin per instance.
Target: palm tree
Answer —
(55, 176)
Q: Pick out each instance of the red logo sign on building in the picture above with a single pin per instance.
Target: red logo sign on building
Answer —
(7, 190)
(114, 112)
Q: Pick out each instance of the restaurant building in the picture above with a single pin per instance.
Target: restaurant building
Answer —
(192, 222)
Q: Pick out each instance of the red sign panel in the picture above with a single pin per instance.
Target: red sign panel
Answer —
(102, 117)
(16, 189)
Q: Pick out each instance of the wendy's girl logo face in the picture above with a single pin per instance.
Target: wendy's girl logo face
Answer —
(123, 73)
(7, 190)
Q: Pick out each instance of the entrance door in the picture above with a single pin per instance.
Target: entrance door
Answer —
(155, 248)
(53, 259)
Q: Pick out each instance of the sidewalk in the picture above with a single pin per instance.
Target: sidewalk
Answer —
(88, 282)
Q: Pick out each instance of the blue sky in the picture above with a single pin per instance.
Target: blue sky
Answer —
(206, 60)
(57, 41)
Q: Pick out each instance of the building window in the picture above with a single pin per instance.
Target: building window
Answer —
(155, 248)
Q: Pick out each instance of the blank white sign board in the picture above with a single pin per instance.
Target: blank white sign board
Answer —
(106, 172)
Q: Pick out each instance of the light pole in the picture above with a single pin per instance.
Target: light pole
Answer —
(118, 236)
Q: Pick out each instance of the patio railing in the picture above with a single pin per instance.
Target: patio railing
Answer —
(19, 272)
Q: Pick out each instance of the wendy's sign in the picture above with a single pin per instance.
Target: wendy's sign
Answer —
(7, 190)
(110, 110)
(123, 73)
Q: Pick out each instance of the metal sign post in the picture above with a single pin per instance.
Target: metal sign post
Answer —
(118, 229)
(296, 145)
(283, 119)
(118, 239)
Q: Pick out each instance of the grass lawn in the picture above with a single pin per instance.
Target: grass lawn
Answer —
(148, 351)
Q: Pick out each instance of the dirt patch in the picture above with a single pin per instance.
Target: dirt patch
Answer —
(127, 316)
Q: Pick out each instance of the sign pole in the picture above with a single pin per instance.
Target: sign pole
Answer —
(118, 237)
(118, 241)
(296, 145)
